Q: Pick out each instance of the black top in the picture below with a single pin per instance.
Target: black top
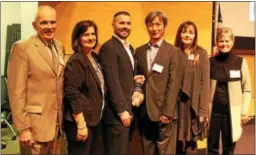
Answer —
(221, 65)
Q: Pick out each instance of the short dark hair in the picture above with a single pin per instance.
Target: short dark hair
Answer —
(78, 30)
(153, 14)
(121, 13)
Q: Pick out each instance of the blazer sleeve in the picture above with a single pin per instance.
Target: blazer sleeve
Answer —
(18, 68)
(73, 81)
(172, 89)
(138, 86)
(203, 108)
(109, 62)
(246, 88)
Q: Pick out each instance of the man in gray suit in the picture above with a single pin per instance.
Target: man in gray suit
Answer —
(157, 61)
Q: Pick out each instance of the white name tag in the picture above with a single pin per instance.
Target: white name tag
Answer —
(157, 68)
(191, 57)
(235, 74)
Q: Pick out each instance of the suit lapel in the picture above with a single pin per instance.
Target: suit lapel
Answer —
(61, 62)
(159, 56)
(144, 59)
(123, 51)
(92, 70)
(42, 50)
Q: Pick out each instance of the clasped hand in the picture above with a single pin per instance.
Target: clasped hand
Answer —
(139, 79)
(137, 98)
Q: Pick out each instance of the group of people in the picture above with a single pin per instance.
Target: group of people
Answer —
(173, 94)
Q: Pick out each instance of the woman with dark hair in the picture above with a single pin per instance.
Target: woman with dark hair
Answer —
(84, 90)
(230, 95)
(194, 94)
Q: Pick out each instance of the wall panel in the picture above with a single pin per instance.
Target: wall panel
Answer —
(69, 13)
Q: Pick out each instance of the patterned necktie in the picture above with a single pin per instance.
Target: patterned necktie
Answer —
(54, 58)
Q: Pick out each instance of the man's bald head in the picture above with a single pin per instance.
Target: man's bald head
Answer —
(45, 22)
(44, 9)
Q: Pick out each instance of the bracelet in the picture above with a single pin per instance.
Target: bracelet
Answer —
(81, 127)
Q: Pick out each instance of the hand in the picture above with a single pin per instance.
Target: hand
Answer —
(202, 119)
(125, 118)
(139, 79)
(164, 119)
(244, 119)
(137, 98)
(26, 138)
(82, 134)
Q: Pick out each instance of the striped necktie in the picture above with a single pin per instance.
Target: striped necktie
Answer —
(55, 64)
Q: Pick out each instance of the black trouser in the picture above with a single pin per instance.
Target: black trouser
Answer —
(92, 145)
(186, 148)
(116, 139)
(158, 138)
(220, 122)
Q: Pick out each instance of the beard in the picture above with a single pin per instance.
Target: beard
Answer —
(122, 35)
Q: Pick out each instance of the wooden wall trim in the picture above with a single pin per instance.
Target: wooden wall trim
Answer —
(243, 51)
(247, 43)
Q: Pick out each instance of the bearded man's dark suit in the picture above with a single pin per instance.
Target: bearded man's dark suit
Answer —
(119, 73)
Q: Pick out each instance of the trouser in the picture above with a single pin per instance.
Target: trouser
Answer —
(220, 123)
(51, 147)
(157, 138)
(92, 144)
(116, 139)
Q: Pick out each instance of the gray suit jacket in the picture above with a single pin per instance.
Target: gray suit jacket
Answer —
(161, 89)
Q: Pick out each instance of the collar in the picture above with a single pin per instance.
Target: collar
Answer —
(121, 40)
(46, 43)
(157, 45)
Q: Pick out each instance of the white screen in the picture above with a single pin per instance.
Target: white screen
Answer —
(251, 11)
(237, 16)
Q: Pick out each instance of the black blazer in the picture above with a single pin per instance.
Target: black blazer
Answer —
(118, 72)
(161, 89)
(82, 89)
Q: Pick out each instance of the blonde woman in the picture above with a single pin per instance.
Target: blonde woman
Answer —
(230, 92)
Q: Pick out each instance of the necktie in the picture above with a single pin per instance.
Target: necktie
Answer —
(54, 58)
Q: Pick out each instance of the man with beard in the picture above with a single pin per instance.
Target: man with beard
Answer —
(116, 59)
(35, 85)
(157, 61)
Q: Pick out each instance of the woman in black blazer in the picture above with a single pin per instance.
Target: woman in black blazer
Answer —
(84, 90)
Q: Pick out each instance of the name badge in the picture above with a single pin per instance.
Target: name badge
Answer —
(191, 57)
(235, 74)
(157, 68)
